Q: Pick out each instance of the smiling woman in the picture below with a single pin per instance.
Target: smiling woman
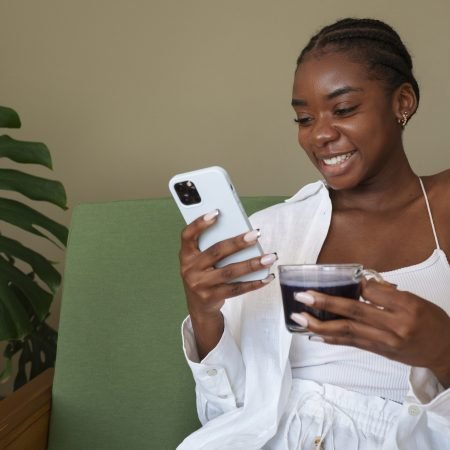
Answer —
(378, 377)
(364, 89)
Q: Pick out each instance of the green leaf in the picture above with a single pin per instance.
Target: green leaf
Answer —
(21, 377)
(28, 219)
(40, 265)
(14, 346)
(46, 346)
(9, 118)
(5, 374)
(14, 321)
(25, 152)
(7, 326)
(11, 349)
(33, 187)
(37, 364)
(25, 298)
(39, 299)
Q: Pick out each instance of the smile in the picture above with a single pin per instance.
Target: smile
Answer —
(335, 160)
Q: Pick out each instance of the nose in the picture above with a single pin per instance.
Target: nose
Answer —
(323, 132)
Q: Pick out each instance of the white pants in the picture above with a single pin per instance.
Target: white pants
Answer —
(331, 418)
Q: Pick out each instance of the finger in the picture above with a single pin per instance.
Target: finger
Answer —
(191, 233)
(381, 281)
(234, 289)
(236, 270)
(349, 332)
(212, 255)
(346, 307)
(384, 295)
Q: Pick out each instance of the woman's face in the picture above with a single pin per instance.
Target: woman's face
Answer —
(347, 123)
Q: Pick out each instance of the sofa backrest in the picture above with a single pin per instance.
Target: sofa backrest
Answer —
(121, 381)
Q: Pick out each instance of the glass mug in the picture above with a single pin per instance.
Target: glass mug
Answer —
(341, 280)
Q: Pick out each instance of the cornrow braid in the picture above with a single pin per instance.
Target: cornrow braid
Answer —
(372, 42)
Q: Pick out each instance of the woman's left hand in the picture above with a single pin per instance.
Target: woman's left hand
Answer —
(396, 324)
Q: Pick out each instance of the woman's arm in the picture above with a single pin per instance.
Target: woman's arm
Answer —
(396, 324)
(406, 328)
(206, 287)
(210, 348)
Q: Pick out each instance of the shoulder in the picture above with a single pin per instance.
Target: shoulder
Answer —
(438, 187)
(441, 177)
(438, 192)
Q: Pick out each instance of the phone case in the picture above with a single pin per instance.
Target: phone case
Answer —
(217, 192)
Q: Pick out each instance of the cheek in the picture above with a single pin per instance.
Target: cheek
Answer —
(370, 134)
(302, 137)
(362, 133)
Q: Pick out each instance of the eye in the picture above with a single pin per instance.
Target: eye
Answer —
(342, 112)
(303, 121)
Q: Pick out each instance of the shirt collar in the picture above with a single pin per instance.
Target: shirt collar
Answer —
(307, 191)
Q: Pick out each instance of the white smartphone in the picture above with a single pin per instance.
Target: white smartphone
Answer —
(201, 191)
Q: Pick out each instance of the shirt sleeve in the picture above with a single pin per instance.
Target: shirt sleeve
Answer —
(219, 377)
(424, 420)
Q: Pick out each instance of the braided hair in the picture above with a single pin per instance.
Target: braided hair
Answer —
(371, 42)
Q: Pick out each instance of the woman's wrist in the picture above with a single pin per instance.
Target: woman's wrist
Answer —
(208, 330)
(442, 369)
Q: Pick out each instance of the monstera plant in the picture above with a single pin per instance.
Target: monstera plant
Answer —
(28, 280)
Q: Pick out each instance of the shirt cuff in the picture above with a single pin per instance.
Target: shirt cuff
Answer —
(222, 372)
(426, 391)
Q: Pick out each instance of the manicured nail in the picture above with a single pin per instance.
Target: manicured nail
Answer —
(211, 215)
(268, 279)
(305, 298)
(252, 236)
(300, 319)
(316, 338)
(268, 260)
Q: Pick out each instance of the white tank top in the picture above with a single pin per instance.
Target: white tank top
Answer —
(363, 371)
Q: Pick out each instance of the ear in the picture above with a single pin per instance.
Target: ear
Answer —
(404, 103)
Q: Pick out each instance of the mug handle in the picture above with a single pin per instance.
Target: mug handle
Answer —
(370, 273)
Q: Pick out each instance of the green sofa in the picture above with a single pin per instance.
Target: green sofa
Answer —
(121, 381)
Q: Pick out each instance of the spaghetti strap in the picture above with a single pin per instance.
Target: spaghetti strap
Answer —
(429, 212)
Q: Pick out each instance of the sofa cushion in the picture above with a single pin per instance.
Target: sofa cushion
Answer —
(121, 381)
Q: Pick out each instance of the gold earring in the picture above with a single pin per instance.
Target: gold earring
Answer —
(404, 120)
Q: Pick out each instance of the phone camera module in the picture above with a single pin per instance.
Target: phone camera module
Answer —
(187, 193)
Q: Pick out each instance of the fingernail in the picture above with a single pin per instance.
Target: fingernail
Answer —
(300, 319)
(268, 260)
(305, 298)
(316, 338)
(252, 235)
(268, 279)
(211, 215)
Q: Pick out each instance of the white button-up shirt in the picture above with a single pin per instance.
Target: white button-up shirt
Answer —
(243, 384)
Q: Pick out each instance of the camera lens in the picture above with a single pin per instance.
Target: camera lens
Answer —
(187, 193)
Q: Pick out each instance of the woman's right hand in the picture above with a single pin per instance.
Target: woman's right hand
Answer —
(207, 287)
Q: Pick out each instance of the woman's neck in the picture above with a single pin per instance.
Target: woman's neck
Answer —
(383, 192)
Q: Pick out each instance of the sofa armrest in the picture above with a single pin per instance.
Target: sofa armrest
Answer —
(25, 414)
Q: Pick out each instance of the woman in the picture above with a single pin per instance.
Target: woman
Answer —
(380, 377)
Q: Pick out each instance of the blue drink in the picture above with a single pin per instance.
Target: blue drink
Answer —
(340, 280)
(342, 289)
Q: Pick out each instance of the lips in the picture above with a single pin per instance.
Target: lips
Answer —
(338, 159)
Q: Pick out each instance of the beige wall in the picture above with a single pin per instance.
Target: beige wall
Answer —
(128, 92)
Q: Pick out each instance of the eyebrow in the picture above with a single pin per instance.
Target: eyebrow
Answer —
(336, 93)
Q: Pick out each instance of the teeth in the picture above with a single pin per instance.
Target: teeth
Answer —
(337, 159)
